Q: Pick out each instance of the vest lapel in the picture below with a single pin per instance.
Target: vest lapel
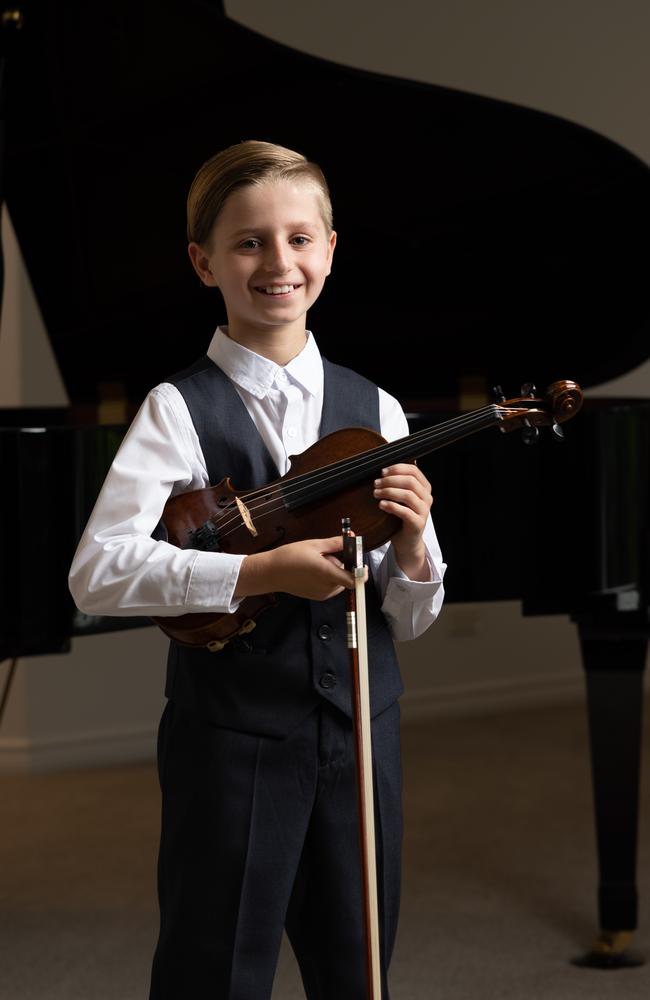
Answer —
(230, 441)
(243, 421)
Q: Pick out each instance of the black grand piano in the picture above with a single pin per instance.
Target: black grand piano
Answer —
(480, 243)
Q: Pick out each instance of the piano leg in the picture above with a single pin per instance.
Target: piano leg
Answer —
(614, 664)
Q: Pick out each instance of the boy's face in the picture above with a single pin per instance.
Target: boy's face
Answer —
(267, 236)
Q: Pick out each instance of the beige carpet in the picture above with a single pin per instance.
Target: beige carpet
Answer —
(499, 879)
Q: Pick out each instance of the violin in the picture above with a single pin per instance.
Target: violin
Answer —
(336, 473)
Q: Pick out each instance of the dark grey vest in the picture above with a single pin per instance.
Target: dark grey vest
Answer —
(268, 681)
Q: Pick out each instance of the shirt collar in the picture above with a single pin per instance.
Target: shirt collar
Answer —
(257, 374)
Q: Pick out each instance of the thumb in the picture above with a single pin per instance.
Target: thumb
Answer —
(332, 544)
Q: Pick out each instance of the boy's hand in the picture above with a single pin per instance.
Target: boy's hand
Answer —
(405, 491)
(305, 569)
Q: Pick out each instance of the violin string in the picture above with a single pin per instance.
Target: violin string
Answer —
(322, 476)
(308, 481)
(368, 457)
(362, 461)
(300, 484)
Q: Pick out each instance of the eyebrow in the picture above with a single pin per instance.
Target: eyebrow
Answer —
(292, 226)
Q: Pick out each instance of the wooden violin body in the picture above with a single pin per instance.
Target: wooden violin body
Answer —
(333, 478)
(267, 523)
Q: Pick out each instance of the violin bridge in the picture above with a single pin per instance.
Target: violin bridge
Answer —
(246, 516)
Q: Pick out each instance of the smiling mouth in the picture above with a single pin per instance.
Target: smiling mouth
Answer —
(278, 291)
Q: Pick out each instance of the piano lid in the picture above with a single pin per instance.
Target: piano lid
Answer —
(473, 235)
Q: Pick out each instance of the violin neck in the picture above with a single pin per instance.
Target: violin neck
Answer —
(439, 436)
(337, 476)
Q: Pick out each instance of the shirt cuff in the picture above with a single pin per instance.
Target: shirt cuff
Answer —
(410, 606)
(212, 583)
(402, 590)
(395, 570)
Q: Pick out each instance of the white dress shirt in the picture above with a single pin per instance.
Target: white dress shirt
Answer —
(118, 569)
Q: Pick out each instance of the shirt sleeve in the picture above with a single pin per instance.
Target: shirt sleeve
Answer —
(410, 606)
(118, 569)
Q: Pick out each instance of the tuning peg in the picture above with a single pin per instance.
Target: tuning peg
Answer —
(528, 389)
(529, 433)
(498, 394)
(558, 433)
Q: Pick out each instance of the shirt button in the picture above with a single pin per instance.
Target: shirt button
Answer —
(328, 681)
(325, 632)
(291, 432)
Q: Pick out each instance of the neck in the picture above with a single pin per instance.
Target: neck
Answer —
(279, 346)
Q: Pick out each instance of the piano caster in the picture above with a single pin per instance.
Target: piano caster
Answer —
(610, 951)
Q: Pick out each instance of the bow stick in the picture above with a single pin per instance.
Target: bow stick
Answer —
(358, 646)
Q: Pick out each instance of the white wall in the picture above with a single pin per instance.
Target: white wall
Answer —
(29, 373)
(98, 704)
(585, 60)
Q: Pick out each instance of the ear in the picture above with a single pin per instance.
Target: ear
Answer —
(330, 252)
(201, 264)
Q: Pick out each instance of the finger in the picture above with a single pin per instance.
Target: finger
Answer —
(339, 573)
(332, 544)
(407, 498)
(403, 469)
(334, 561)
(402, 488)
(417, 482)
(413, 522)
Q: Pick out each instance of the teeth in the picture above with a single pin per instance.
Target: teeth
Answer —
(278, 289)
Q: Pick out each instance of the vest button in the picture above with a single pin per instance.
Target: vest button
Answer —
(324, 631)
(328, 681)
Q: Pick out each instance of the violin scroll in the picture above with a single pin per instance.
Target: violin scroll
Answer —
(566, 398)
(528, 412)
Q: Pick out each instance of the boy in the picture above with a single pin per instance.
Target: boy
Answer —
(255, 752)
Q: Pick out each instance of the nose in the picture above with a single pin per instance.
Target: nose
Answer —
(276, 258)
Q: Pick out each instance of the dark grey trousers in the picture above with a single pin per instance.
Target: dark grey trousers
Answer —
(258, 834)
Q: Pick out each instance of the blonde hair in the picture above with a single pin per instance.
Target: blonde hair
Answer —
(248, 162)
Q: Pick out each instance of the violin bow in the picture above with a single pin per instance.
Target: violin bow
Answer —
(358, 647)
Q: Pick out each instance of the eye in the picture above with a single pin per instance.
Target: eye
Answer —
(305, 238)
(244, 246)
